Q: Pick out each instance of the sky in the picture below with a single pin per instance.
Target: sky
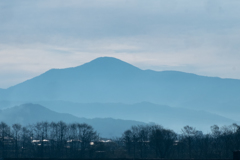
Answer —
(200, 36)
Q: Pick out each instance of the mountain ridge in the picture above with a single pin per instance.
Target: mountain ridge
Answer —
(96, 64)
(169, 117)
(102, 83)
(29, 113)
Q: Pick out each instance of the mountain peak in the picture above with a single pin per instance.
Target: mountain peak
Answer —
(109, 63)
(29, 107)
(105, 59)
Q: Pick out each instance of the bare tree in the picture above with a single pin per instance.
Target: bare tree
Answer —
(162, 141)
(127, 138)
(189, 133)
(86, 135)
(16, 130)
(4, 132)
(144, 139)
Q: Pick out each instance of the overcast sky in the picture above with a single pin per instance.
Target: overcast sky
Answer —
(196, 36)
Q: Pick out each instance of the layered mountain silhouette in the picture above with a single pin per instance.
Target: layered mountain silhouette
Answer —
(108, 87)
(169, 117)
(28, 114)
(110, 80)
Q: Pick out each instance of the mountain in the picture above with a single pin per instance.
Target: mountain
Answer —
(109, 80)
(169, 117)
(31, 113)
(2, 92)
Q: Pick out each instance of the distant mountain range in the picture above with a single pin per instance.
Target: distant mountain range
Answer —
(109, 80)
(170, 117)
(106, 83)
(31, 113)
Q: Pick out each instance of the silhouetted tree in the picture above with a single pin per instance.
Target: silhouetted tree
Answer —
(75, 140)
(16, 132)
(86, 135)
(189, 133)
(4, 132)
(162, 141)
(127, 138)
(144, 139)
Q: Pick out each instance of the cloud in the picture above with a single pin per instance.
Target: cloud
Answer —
(39, 20)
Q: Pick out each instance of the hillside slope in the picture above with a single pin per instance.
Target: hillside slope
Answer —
(31, 113)
(170, 117)
(109, 80)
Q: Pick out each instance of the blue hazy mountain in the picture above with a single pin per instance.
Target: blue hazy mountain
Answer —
(112, 80)
(31, 113)
(109, 80)
(170, 117)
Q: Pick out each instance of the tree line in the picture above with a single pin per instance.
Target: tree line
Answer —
(75, 140)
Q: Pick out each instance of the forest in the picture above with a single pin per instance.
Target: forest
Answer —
(75, 140)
